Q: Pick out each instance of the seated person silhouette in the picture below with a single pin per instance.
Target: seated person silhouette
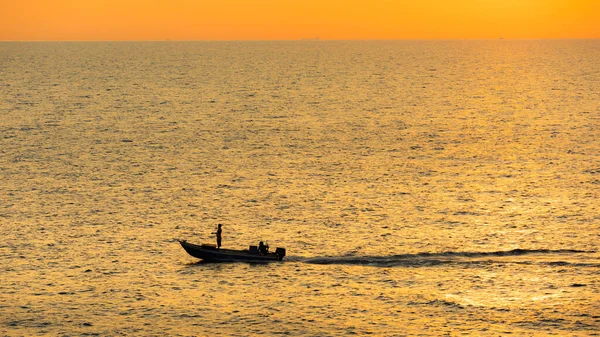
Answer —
(262, 248)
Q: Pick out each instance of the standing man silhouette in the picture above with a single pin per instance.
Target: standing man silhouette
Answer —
(219, 231)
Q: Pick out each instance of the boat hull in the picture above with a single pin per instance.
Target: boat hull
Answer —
(211, 253)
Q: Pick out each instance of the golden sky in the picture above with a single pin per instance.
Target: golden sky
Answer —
(297, 19)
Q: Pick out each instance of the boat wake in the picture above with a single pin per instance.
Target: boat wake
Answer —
(432, 259)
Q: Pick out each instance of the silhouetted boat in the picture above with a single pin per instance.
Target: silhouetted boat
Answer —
(208, 252)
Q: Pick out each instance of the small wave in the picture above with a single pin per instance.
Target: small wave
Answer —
(514, 252)
(430, 259)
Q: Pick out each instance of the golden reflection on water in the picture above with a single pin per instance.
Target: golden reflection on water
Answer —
(357, 157)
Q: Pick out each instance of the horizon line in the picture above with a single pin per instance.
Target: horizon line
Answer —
(314, 40)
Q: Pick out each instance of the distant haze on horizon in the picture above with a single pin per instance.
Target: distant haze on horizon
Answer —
(98, 20)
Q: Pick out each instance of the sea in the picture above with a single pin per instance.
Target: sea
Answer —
(420, 188)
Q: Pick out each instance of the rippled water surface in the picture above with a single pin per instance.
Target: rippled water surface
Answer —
(420, 188)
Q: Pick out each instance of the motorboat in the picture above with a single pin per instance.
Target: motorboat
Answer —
(210, 252)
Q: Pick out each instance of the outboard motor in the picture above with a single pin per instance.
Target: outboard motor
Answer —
(280, 253)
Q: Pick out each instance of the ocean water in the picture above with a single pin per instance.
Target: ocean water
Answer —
(421, 188)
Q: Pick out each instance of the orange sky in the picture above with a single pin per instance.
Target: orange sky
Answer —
(297, 19)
